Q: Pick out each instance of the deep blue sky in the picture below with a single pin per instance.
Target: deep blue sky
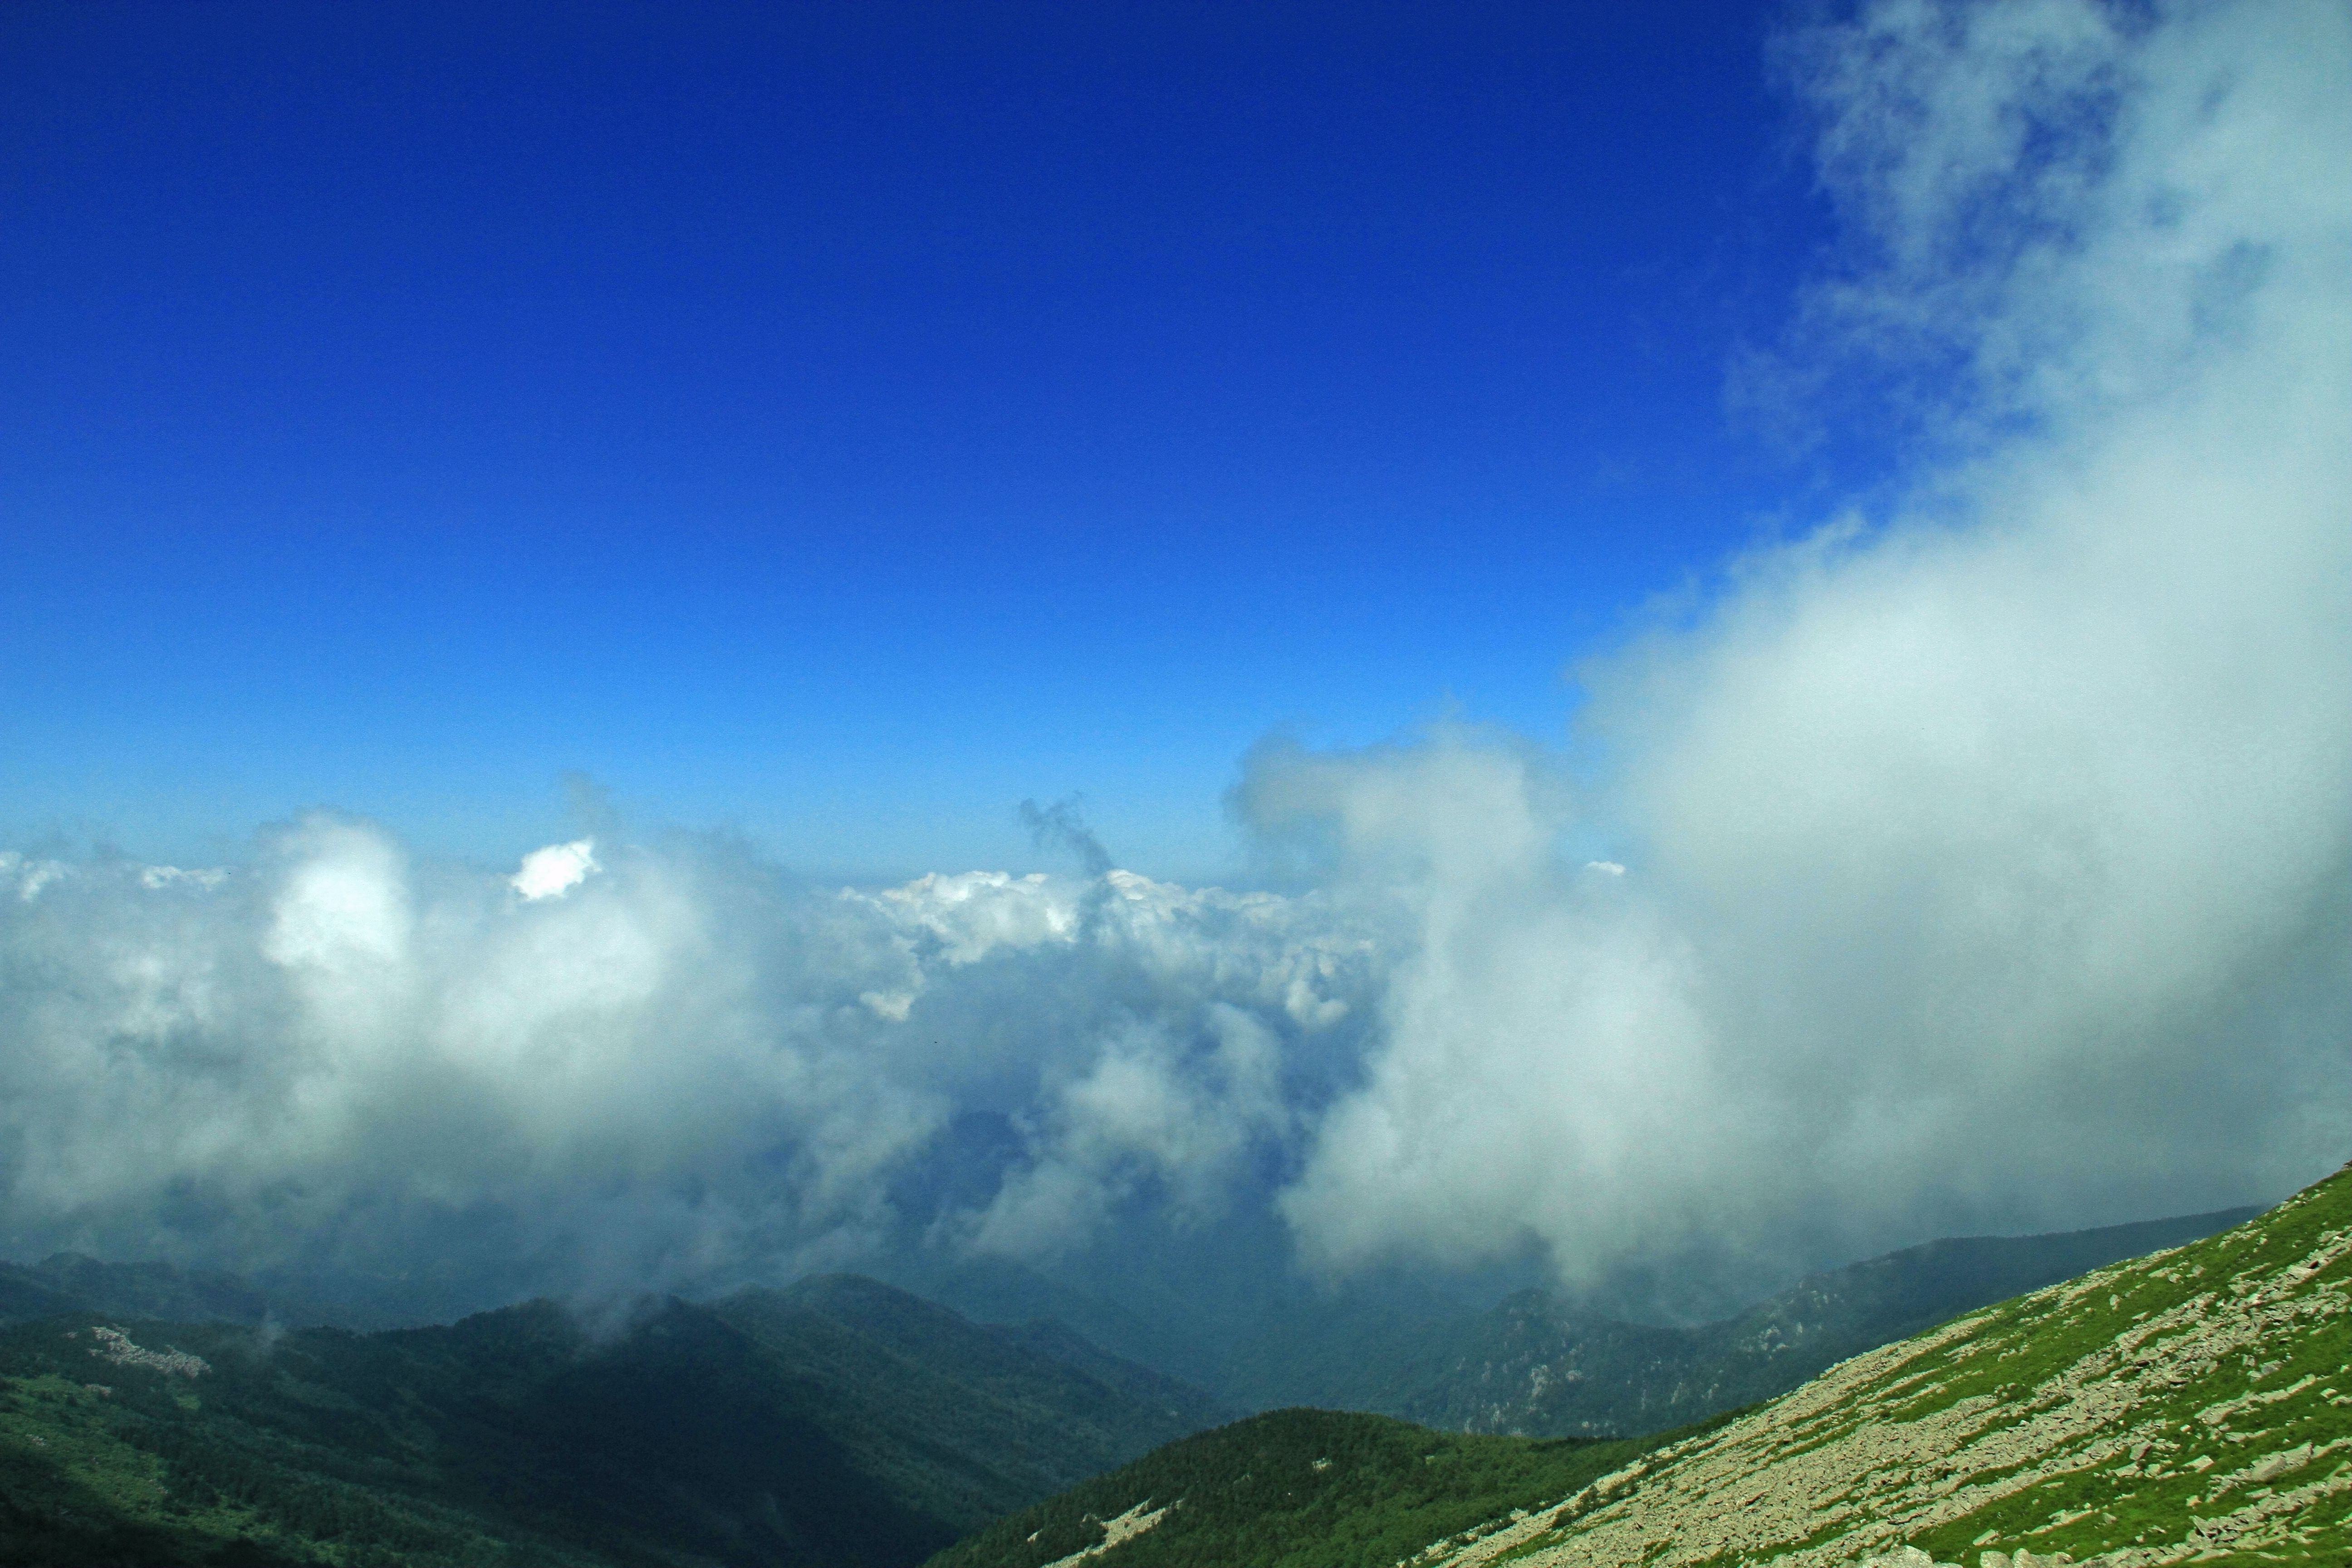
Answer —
(841, 422)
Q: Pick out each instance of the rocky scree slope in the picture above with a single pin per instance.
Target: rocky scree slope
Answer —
(2194, 1405)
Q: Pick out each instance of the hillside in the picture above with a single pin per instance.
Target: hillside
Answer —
(1532, 1366)
(1468, 1357)
(970, 1421)
(1290, 1488)
(1537, 1366)
(291, 1297)
(2186, 1405)
(844, 1422)
(70, 1282)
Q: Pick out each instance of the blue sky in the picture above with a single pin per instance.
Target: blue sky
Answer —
(841, 423)
(825, 429)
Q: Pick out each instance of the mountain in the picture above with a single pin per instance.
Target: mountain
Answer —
(68, 1281)
(990, 1290)
(2185, 1405)
(24, 1294)
(1471, 1353)
(964, 1418)
(841, 1421)
(2189, 1404)
(1294, 1486)
(1535, 1365)
(292, 1298)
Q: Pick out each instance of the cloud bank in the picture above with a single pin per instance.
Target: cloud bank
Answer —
(2000, 849)
(682, 1064)
(1983, 860)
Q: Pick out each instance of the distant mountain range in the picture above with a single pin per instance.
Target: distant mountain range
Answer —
(1535, 1365)
(1532, 1364)
(838, 1422)
(153, 1416)
(2191, 1404)
(69, 1282)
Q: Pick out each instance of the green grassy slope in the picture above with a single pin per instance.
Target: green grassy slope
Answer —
(2192, 1405)
(1294, 1489)
(859, 1426)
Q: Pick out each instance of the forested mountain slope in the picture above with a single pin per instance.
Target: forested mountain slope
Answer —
(843, 1423)
(1293, 1486)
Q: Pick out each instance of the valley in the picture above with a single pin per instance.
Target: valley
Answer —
(155, 1415)
(2189, 1404)
(836, 1422)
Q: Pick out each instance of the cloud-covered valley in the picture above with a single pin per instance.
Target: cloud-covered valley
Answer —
(1980, 858)
(683, 1061)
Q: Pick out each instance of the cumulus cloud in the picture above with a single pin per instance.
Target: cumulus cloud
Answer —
(685, 1065)
(1991, 857)
(555, 870)
(1985, 860)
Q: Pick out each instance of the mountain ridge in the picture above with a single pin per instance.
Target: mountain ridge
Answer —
(2194, 1403)
(2061, 1423)
(1535, 1365)
(857, 1425)
(1529, 1363)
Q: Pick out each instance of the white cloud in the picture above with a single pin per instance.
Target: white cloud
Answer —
(684, 1063)
(978, 912)
(1993, 858)
(551, 872)
(165, 876)
(30, 876)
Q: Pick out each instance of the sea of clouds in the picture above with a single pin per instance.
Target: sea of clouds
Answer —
(1980, 860)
